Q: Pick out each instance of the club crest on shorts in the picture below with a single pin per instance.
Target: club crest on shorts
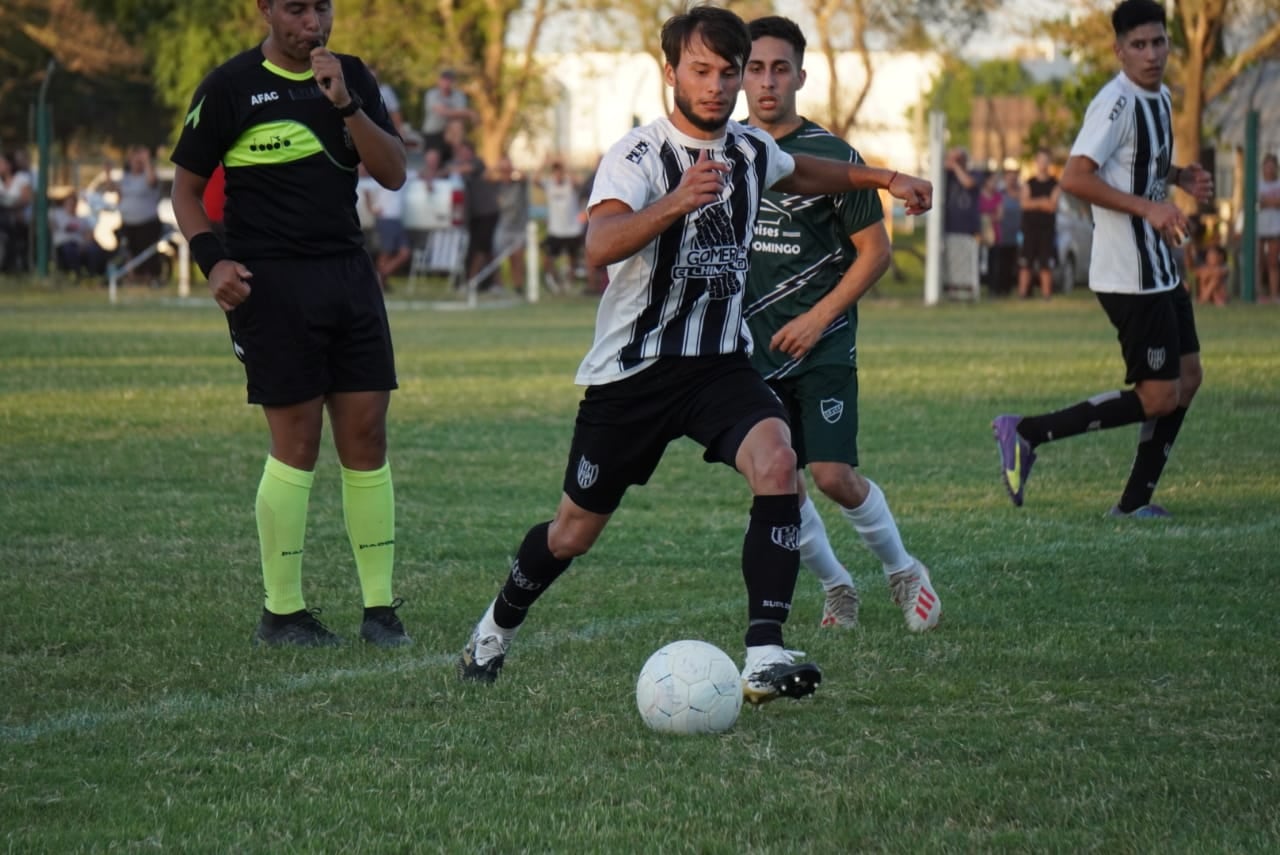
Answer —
(588, 472)
(832, 409)
(1155, 358)
(786, 536)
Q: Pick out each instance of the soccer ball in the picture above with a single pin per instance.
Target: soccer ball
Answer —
(689, 687)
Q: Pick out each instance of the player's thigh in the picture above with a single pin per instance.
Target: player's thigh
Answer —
(1148, 330)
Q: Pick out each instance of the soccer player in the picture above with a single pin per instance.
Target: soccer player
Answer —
(812, 259)
(671, 213)
(1122, 164)
(290, 122)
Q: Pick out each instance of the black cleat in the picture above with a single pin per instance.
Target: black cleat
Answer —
(773, 673)
(382, 628)
(299, 629)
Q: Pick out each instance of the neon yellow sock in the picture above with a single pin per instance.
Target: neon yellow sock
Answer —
(281, 510)
(369, 506)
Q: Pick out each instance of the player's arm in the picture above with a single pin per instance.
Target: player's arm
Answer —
(228, 279)
(615, 231)
(1080, 178)
(816, 176)
(798, 336)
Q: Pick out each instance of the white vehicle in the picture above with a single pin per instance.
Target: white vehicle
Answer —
(1075, 242)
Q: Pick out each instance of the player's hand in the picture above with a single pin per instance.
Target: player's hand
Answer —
(1197, 181)
(229, 284)
(916, 192)
(798, 336)
(1170, 222)
(328, 72)
(701, 183)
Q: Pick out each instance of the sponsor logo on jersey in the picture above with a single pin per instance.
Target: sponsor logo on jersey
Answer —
(193, 118)
(1155, 357)
(637, 154)
(1118, 108)
(263, 98)
(786, 537)
(588, 472)
(832, 409)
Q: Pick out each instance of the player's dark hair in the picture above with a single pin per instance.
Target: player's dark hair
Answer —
(778, 27)
(1132, 14)
(721, 30)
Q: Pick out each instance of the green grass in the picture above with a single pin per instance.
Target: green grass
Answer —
(1096, 685)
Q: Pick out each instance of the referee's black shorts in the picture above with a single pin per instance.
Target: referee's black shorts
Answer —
(624, 427)
(312, 327)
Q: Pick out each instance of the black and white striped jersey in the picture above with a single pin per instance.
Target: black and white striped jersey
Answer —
(1128, 132)
(681, 295)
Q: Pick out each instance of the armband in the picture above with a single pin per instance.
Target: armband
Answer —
(207, 251)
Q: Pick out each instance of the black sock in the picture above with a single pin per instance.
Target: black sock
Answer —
(770, 563)
(1155, 441)
(1108, 410)
(534, 569)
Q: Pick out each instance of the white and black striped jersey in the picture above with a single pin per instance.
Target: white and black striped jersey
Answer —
(1128, 132)
(681, 295)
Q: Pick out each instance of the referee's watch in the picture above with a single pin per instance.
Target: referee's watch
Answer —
(352, 106)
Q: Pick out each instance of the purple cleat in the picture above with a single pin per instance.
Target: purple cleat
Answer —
(1016, 456)
(1146, 512)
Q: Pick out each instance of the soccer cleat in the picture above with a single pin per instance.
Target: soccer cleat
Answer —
(382, 627)
(1146, 512)
(300, 629)
(841, 608)
(772, 672)
(912, 592)
(482, 658)
(1016, 456)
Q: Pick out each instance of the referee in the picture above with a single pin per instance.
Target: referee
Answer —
(290, 121)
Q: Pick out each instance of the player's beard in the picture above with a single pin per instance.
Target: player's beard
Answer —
(685, 106)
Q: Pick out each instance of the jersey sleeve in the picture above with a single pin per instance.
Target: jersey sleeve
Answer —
(1104, 126)
(858, 209)
(628, 173)
(208, 129)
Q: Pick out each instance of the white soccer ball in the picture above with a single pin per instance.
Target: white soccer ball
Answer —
(689, 687)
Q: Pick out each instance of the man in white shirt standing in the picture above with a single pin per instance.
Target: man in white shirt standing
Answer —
(1122, 164)
(564, 226)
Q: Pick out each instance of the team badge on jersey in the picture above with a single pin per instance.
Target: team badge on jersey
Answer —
(832, 409)
(588, 472)
(1155, 358)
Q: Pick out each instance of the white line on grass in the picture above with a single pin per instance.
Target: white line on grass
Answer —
(176, 706)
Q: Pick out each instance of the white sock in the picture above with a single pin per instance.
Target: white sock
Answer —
(815, 549)
(488, 626)
(874, 524)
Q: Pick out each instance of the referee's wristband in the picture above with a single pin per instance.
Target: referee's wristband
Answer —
(207, 250)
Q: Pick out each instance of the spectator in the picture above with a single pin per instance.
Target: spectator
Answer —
(1039, 228)
(513, 218)
(990, 212)
(1269, 231)
(441, 103)
(1211, 276)
(74, 249)
(564, 225)
(15, 201)
(139, 206)
(482, 210)
(1003, 257)
(387, 207)
(961, 223)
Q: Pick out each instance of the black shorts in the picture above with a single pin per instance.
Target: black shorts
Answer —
(822, 404)
(311, 327)
(623, 428)
(1039, 249)
(1154, 330)
(554, 246)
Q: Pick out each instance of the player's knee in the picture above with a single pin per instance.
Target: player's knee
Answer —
(1192, 377)
(566, 542)
(775, 469)
(840, 483)
(1159, 399)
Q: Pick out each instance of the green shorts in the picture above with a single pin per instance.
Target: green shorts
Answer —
(822, 405)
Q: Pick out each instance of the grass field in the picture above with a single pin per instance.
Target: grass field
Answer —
(1096, 685)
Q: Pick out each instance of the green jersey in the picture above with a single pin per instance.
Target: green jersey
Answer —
(800, 250)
